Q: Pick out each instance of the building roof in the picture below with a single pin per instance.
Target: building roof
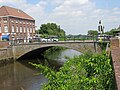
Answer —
(13, 12)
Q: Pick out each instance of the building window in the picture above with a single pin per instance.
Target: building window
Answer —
(27, 29)
(12, 21)
(20, 22)
(24, 30)
(5, 21)
(21, 29)
(16, 21)
(31, 30)
(0, 29)
(23, 22)
(5, 28)
(17, 29)
(12, 28)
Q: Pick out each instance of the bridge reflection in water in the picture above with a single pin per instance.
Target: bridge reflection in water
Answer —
(16, 76)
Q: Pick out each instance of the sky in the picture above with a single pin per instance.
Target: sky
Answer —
(73, 16)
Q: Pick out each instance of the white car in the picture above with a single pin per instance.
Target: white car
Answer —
(49, 40)
(45, 40)
(54, 39)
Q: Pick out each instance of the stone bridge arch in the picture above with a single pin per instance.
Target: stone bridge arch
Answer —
(21, 49)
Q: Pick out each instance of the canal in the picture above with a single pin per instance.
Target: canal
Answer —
(22, 76)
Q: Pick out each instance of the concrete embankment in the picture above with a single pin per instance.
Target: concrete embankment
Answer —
(6, 54)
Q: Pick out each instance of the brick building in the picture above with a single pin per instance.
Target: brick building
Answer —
(16, 24)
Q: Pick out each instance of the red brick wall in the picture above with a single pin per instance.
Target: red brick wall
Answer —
(115, 51)
(4, 44)
(114, 43)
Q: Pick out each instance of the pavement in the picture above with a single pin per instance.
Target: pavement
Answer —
(116, 64)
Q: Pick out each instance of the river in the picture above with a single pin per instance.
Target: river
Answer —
(21, 76)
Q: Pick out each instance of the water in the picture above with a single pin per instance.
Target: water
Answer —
(16, 76)
(60, 56)
(21, 76)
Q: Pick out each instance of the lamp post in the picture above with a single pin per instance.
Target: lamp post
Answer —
(100, 28)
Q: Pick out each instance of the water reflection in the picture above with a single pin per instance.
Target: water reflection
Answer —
(60, 56)
(21, 76)
(16, 76)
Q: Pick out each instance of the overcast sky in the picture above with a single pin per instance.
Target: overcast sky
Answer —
(74, 16)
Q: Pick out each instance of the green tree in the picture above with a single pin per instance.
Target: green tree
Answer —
(93, 32)
(43, 29)
(111, 32)
(51, 29)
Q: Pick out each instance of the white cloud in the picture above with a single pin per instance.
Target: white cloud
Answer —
(74, 16)
(75, 2)
(11, 1)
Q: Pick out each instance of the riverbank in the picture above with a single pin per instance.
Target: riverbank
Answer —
(20, 74)
(84, 72)
(6, 61)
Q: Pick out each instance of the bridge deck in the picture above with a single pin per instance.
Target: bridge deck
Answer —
(62, 42)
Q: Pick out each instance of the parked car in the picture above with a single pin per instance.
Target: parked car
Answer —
(36, 39)
(45, 40)
(55, 39)
(49, 40)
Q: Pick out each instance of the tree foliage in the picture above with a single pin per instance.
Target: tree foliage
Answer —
(111, 32)
(84, 72)
(51, 29)
(93, 32)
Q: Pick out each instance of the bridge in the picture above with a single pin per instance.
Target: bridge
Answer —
(34, 49)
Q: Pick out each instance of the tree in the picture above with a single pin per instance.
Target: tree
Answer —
(111, 32)
(93, 32)
(51, 29)
(43, 29)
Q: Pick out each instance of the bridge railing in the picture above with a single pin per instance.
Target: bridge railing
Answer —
(63, 39)
(92, 38)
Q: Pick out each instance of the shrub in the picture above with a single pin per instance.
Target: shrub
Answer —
(84, 72)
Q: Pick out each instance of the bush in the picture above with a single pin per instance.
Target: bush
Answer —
(84, 72)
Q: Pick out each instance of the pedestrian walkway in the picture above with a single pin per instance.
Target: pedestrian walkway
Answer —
(115, 51)
(116, 64)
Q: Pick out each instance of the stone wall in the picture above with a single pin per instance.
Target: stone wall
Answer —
(21, 49)
(4, 44)
(6, 55)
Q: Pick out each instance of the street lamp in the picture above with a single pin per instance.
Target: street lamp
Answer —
(100, 28)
